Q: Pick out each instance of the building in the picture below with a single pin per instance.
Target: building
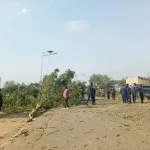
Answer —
(138, 80)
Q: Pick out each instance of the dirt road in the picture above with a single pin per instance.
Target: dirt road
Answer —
(106, 126)
(10, 124)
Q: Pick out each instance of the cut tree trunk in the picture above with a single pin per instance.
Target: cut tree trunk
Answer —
(34, 111)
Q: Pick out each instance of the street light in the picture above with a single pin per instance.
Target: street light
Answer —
(51, 53)
(45, 54)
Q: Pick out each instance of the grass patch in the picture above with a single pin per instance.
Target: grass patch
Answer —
(90, 106)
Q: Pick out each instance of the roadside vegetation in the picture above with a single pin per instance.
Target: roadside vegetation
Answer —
(20, 97)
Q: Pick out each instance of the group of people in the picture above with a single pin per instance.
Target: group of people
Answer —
(129, 93)
(110, 93)
(91, 92)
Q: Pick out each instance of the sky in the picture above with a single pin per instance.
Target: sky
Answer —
(90, 36)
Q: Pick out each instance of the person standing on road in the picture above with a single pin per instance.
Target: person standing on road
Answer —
(134, 91)
(66, 94)
(123, 92)
(113, 94)
(141, 93)
(91, 93)
(1, 100)
(126, 94)
(129, 93)
(108, 93)
(94, 94)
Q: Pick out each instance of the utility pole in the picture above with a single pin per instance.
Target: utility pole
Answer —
(45, 54)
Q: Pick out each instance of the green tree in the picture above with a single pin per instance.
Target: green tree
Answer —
(10, 87)
(65, 78)
(52, 88)
(82, 87)
(121, 82)
(100, 81)
(18, 97)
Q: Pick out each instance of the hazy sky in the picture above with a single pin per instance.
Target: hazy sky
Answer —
(91, 36)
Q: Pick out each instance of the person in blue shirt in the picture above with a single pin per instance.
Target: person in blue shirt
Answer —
(128, 93)
(91, 93)
(141, 93)
(134, 91)
(123, 92)
(108, 93)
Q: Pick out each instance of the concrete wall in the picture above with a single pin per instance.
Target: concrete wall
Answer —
(137, 80)
(130, 81)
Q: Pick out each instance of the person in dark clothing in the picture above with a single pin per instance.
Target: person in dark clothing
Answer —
(94, 94)
(108, 93)
(128, 93)
(91, 93)
(123, 92)
(134, 91)
(141, 93)
(113, 94)
(127, 85)
(1, 100)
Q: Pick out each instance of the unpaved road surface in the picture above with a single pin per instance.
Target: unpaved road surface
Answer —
(10, 124)
(106, 126)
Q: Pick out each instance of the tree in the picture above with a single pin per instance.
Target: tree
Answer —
(65, 78)
(82, 88)
(10, 87)
(100, 81)
(121, 82)
(18, 97)
(52, 88)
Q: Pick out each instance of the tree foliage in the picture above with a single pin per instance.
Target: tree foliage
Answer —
(53, 86)
(19, 97)
(122, 82)
(10, 87)
(103, 81)
(100, 81)
(49, 93)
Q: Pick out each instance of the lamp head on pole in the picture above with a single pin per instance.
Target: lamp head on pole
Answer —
(51, 52)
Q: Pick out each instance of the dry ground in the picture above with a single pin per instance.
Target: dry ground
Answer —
(107, 126)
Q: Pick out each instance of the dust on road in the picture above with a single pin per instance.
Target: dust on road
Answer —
(106, 126)
(10, 124)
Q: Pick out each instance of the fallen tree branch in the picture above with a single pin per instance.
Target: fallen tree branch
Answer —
(35, 110)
